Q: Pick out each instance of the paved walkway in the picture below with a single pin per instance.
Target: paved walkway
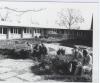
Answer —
(17, 71)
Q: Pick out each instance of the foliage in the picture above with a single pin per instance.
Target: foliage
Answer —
(61, 52)
(53, 65)
(11, 53)
(59, 65)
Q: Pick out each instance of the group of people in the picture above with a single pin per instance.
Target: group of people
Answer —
(81, 62)
(37, 51)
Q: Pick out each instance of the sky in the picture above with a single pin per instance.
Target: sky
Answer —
(47, 16)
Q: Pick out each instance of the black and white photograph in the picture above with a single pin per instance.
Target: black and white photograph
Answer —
(46, 42)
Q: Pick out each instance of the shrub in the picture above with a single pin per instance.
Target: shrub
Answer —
(23, 54)
(41, 36)
(13, 54)
(46, 36)
(54, 65)
(9, 52)
(61, 52)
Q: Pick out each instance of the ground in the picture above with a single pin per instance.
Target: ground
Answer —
(12, 70)
(17, 71)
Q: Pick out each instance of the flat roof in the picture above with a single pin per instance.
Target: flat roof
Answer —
(29, 25)
(20, 25)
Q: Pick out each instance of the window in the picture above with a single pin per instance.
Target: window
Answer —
(11, 30)
(14, 30)
(19, 31)
(30, 31)
(38, 31)
(35, 31)
(4, 30)
(24, 30)
(27, 30)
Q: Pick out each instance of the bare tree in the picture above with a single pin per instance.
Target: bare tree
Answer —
(69, 17)
(3, 18)
(18, 12)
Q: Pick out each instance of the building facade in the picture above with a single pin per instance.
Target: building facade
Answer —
(18, 32)
(13, 32)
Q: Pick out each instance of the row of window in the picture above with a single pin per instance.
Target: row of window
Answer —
(3, 30)
(30, 30)
(26, 30)
(18, 30)
(76, 32)
(37, 30)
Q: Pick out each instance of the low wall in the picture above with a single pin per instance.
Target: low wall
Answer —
(27, 35)
(14, 36)
(3, 36)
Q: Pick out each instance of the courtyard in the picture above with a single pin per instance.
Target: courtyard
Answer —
(20, 69)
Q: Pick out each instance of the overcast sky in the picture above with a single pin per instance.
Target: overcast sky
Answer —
(48, 14)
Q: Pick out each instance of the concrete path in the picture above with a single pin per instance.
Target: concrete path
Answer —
(16, 71)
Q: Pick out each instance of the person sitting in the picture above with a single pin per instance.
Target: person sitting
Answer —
(44, 49)
(36, 52)
(87, 62)
(75, 52)
(76, 63)
(79, 56)
(29, 47)
(72, 66)
(87, 57)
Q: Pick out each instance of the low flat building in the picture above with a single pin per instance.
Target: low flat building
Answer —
(17, 31)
